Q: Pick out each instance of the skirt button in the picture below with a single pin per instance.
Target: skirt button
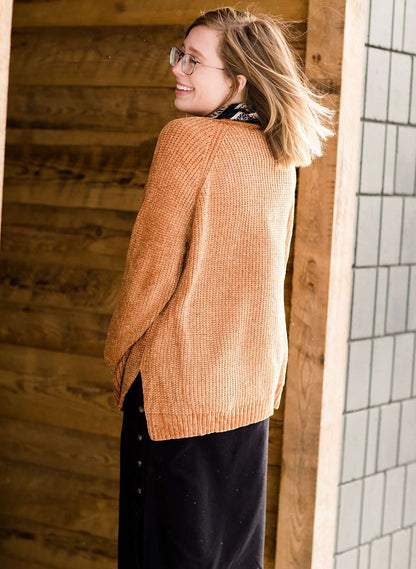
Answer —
(140, 463)
(140, 437)
(141, 409)
(139, 490)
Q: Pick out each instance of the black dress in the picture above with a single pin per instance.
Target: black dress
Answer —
(191, 503)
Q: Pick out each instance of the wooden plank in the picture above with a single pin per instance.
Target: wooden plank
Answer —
(60, 286)
(129, 56)
(320, 299)
(27, 544)
(109, 177)
(71, 450)
(58, 389)
(110, 109)
(6, 10)
(270, 538)
(50, 137)
(62, 330)
(23, 563)
(273, 477)
(74, 502)
(129, 12)
(95, 239)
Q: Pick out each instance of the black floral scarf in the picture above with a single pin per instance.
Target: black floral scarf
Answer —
(236, 112)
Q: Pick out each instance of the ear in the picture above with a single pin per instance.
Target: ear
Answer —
(242, 80)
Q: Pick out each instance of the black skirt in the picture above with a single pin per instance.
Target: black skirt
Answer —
(191, 503)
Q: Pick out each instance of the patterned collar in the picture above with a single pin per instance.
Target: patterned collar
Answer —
(236, 112)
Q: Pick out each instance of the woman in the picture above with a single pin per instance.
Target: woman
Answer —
(197, 342)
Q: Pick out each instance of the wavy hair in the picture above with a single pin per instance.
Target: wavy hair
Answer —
(292, 118)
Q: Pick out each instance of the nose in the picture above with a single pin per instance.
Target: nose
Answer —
(177, 68)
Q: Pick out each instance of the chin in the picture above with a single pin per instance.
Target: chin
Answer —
(186, 109)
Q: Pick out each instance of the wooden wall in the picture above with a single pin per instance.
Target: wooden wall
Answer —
(6, 11)
(90, 89)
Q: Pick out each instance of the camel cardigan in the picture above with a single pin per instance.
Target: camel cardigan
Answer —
(200, 312)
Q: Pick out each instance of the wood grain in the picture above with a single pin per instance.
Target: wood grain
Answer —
(113, 109)
(129, 12)
(90, 90)
(26, 544)
(83, 237)
(58, 389)
(78, 503)
(70, 450)
(128, 56)
(100, 177)
(320, 299)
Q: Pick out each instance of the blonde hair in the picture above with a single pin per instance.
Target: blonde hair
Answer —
(292, 119)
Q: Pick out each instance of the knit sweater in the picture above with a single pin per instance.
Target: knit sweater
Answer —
(200, 312)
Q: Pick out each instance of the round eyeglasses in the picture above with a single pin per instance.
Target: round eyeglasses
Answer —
(188, 62)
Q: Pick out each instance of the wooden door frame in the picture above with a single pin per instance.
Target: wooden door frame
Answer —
(320, 303)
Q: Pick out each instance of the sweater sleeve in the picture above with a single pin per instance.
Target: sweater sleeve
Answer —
(158, 241)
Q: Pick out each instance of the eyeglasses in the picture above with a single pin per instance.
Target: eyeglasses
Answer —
(188, 62)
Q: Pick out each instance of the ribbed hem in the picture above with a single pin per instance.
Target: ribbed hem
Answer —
(164, 426)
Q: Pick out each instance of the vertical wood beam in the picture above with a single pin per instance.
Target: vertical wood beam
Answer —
(6, 9)
(322, 272)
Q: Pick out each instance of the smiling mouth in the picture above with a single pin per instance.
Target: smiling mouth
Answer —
(185, 88)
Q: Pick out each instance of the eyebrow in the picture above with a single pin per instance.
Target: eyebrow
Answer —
(198, 53)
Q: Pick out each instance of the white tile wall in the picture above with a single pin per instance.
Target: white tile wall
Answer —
(405, 160)
(363, 557)
(393, 504)
(412, 113)
(347, 560)
(397, 299)
(399, 6)
(410, 495)
(368, 230)
(358, 375)
(390, 159)
(363, 303)
(400, 551)
(381, 301)
(399, 95)
(411, 312)
(389, 436)
(381, 23)
(381, 374)
(391, 230)
(413, 550)
(377, 505)
(372, 158)
(349, 515)
(355, 438)
(407, 443)
(409, 26)
(372, 507)
(409, 230)
(377, 84)
(403, 363)
(380, 553)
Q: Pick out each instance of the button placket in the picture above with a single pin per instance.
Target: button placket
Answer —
(140, 451)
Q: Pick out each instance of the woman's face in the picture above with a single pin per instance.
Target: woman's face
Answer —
(209, 87)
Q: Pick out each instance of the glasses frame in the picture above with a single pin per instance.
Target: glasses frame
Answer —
(183, 61)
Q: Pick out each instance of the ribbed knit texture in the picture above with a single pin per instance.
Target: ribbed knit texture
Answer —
(201, 311)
